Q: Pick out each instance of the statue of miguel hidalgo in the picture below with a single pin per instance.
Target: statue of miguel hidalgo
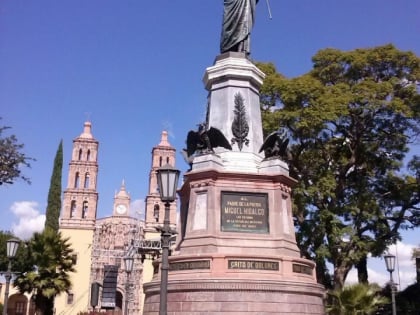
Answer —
(238, 20)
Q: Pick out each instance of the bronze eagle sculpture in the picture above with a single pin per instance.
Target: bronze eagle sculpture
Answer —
(204, 140)
(275, 144)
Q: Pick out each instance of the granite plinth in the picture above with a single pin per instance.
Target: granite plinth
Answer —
(234, 297)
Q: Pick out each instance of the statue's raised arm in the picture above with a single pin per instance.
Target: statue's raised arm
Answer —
(238, 20)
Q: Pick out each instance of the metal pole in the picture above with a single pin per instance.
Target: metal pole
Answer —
(394, 305)
(269, 10)
(165, 237)
(127, 288)
(8, 277)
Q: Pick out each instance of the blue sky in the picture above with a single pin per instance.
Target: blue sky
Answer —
(135, 67)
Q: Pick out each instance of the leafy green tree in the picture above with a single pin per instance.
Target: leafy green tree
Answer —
(357, 299)
(351, 121)
(51, 257)
(54, 193)
(11, 159)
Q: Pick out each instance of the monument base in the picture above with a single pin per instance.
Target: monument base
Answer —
(196, 296)
(237, 284)
(237, 251)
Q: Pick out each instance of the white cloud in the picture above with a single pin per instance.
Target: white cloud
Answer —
(137, 208)
(404, 252)
(30, 220)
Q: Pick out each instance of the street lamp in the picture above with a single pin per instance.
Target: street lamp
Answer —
(390, 266)
(12, 246)
(128, 263)
(167, 178)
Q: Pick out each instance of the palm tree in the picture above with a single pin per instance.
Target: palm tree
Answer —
(356, 299)
(52, 261)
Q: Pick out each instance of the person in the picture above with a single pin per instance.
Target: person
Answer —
(238, 20)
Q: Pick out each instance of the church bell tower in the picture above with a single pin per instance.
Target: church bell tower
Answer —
(78, 219)
(80, 197)
(162, 154)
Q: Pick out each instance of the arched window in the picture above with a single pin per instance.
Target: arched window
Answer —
(85, 209)
(77, 180)
(80, 154)
(86, 184)
(73, 209)
(160, 161)
(88, 155)
(167, 160)
(156, 210)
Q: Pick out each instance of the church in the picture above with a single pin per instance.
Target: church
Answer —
(101, 244)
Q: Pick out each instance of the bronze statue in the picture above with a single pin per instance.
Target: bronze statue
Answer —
(238, 20)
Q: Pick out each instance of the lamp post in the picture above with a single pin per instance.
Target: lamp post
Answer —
(167, 177)
(12, 246)
(390, 266)
(128, 263)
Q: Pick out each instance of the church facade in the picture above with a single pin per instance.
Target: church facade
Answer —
(101, 244)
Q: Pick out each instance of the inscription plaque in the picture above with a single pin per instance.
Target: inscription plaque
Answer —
(253, 264)
(302, 269)
(190, 265)
(244, 212)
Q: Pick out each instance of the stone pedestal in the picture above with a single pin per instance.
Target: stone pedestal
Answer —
(236, 252)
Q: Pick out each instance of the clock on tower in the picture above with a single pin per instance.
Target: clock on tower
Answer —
(121, 201)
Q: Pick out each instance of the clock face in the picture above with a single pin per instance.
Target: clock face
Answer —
(121, 209)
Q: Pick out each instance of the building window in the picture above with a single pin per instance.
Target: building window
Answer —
(167, 160)
(156, 211)
(160, 161)
(76, 180)
(80, 154)
(88, 155)
(85, 209)
(86, 185)
(19, 308)
(73, 209)
(74, 258)
(70, 298)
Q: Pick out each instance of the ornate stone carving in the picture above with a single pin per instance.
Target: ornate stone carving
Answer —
(240, 126)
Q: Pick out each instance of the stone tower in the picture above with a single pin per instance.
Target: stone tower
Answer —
(81, 198)
(162, 154)
(78, 218)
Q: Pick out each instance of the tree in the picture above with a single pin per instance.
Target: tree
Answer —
(351, 120)
(52, 261)
(11, 159)
(54, 193)
(357, 299)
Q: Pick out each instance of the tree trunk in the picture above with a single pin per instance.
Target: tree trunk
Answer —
(362, 272)
(321, 272)
(340, 275)
(44, 305)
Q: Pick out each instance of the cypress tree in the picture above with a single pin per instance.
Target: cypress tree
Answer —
(54, 193)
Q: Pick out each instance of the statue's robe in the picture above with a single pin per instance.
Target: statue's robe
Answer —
(238, 20)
